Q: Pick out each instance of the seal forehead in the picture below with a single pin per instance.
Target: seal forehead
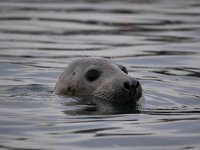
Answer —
(84, 63)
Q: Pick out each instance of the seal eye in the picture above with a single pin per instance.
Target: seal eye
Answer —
(124, 70)
(92, 75)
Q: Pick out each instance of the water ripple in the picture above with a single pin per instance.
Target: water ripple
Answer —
(158, 42)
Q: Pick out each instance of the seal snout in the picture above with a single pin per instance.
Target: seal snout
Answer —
(132, 85)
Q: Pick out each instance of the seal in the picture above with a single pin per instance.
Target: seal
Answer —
(99, 79)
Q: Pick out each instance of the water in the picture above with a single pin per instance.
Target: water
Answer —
(157, 40)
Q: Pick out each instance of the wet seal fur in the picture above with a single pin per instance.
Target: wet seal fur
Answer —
(98, 79)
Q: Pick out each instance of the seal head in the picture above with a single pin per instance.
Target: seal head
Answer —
(98, 79)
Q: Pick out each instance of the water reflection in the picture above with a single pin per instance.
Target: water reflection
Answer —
(100, 108)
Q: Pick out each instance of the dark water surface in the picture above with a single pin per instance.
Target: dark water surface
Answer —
(158, 41)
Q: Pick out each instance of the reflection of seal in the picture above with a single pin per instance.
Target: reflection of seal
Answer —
(98, 78)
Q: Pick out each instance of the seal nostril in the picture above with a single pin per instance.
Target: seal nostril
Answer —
(137, 84)
(127, 85)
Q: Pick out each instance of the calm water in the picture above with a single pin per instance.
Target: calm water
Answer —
(157, 40)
